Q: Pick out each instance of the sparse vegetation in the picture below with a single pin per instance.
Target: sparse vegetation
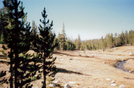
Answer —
(17, 38)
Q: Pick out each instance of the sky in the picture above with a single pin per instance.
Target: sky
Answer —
(91, 19)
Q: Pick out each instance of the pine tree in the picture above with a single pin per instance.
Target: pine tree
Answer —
(131, 37)
(79, 42)
(115, 40)
(70, 45)
(102, 43)
(122, 39)
(63, 38)
(56, 40)
(109, 40)
(126, 38)
(3, 19)
(44, 44)
(17, 36)
(34, 28)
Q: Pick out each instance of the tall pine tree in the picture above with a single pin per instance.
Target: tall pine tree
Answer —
(17, 37)
(44, 46)
(62, 39)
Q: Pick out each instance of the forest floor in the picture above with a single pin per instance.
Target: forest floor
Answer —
(92, 69)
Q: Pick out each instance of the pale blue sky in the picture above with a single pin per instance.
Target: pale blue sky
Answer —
(88, 18)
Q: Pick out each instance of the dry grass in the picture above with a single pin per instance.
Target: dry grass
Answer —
(129, 65)
(91, 69)
(99, 70)
(109, 50)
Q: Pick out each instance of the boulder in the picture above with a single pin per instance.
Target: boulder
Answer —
(113, 84)
(114, 48)
(131, 53)
(108, 79)
(70, 59)
(104, 62)
(67, 86)
(72, 82)
(56, 83)
(64, 55)
(36, 87)
(52, 85)
(122, 86)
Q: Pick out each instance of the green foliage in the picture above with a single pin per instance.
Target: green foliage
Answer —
(3, 52)
(131, 37)
(109, 41)
(43, 45)
(78, 43)
(69, 45)
(18, 38)
(62, 40)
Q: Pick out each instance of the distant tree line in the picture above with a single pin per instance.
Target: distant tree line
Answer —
(109, 41)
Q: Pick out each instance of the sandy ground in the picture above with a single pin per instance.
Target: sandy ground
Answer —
(93, 69)
(129, 65)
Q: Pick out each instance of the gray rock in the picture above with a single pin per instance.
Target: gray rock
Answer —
(75, 57)
(52, 85)
(108, 79)
(67, 86)
(130, 71)
(36, 87)
(72, 82)
(56, 83)
(122, 86)
(131, 53)
(104, 62)
(115, 48)
(113, 84)
(70, 59)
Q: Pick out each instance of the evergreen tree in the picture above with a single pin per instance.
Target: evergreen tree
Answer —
(115, 39)
(17, 36)
(126, 38)
(131, 37)
(102, 44)
(3, 19)
(44, 46)
(34, 28)
(63, 38)
(69, 45)
(122, 39)
(56, 40)
(79, 42)
(110, 40)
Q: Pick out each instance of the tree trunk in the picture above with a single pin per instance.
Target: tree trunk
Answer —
(11, 69)
(16, 48)
(16, 72)
(44, 73)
